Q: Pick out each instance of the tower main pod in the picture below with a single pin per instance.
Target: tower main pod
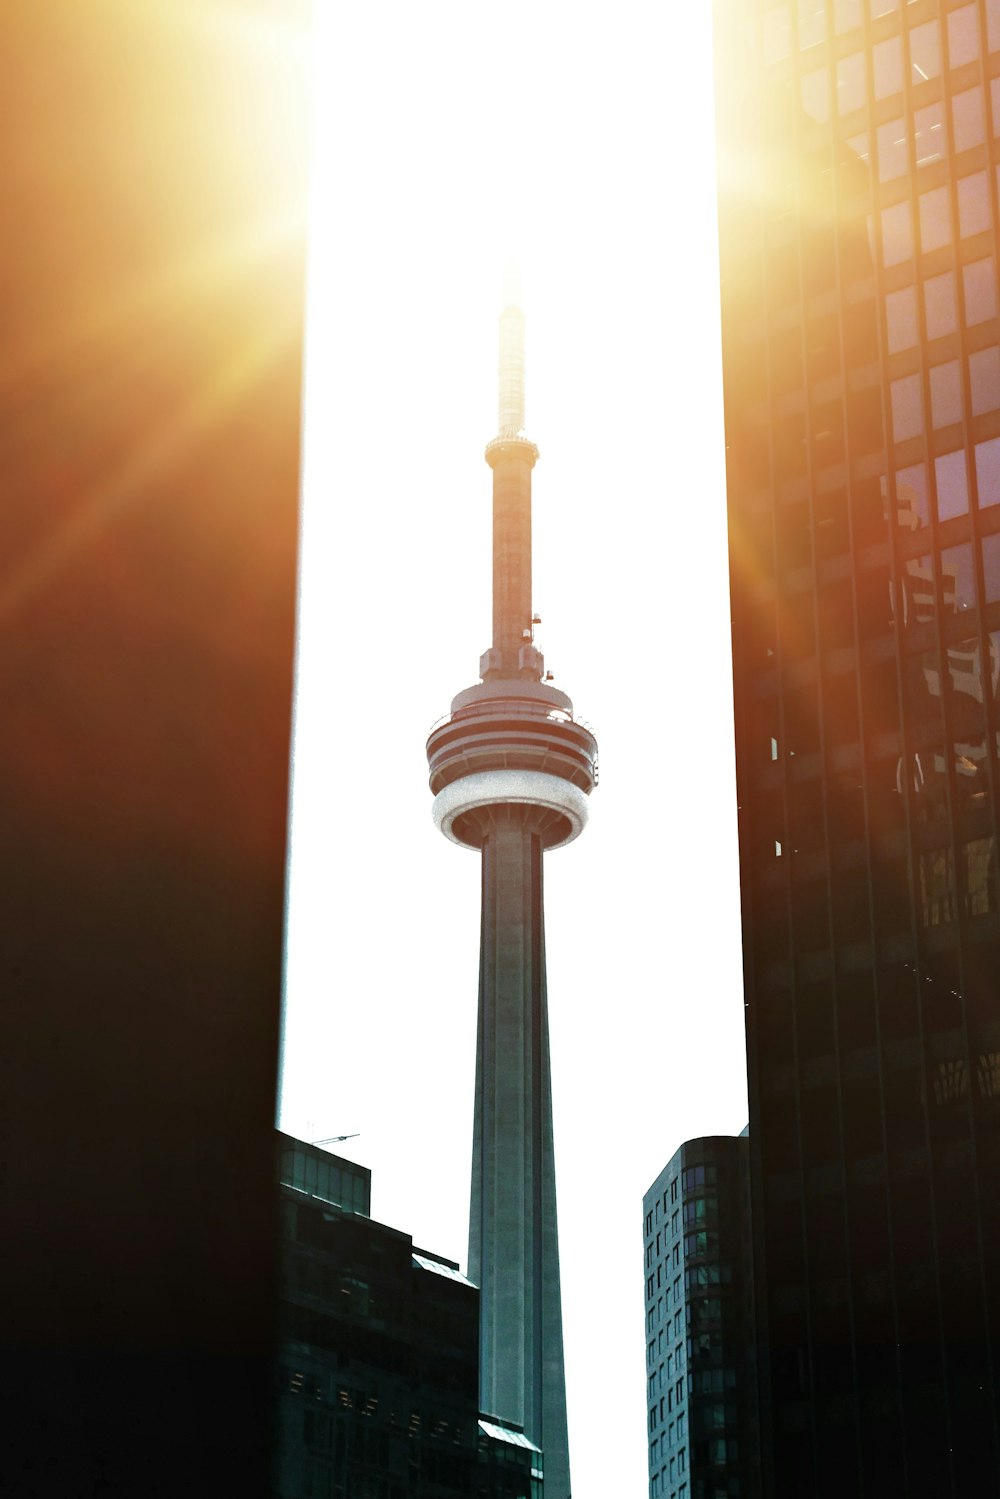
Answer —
(511, 772)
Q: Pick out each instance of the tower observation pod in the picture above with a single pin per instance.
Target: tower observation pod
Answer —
(511, 771)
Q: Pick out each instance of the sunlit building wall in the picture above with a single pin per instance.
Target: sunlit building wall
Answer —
(700, 1375)
(858, 155)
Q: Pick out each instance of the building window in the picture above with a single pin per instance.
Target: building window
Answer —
(897, 234)
(935, 219)
(979, 282)
(973, 205)
(940, 305)
(925, 52)
(984, 378)
(968, 118)
(988, 472)
(952, 485)
(963, 36)
(946, 394)
(888, 66)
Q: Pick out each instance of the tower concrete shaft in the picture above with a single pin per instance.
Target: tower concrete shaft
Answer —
(511, 771)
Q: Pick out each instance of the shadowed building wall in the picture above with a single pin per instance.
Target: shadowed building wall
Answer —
(152, 267)
(858, 214)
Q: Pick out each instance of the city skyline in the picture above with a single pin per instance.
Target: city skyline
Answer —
(632, 587)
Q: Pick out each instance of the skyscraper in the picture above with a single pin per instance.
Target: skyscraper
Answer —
(858, 213)
(700, 1378)
(511, 771)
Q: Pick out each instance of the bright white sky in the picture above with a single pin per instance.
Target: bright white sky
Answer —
(449, 137)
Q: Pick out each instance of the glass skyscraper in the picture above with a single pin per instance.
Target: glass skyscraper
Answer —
(700, 1382)
(859, 143)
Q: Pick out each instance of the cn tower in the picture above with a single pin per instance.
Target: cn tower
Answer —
(511, 771)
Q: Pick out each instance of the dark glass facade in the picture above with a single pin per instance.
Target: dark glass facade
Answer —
(700, 1374)
(378, 1367)
(859, 143)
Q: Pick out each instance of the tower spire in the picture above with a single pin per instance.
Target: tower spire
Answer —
(511, 772)
(512, 457)
(511, 418)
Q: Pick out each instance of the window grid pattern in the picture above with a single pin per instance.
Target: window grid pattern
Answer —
(864, 485)
(701, 1384)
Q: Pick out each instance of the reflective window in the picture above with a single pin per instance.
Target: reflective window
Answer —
(988, 472)
(850, 83)
(952, 484)
(963, 36)
(968, 119)
(777, 34)
(940, 307)
(946, 394)
(812, 23)
(897, 234)
(984, 377)
(907, 414)
(935, 219)
(980, 284)
(913, 510)
(917, 583)
(991, 568)
(925, 52)
(995, 98)
(816, 95)
(888, 60)
(901, 319)
(846, 15)
(958, 586)
(883, 7)
(993, 25)
(973, 204)
(891, 150)
(928, 134)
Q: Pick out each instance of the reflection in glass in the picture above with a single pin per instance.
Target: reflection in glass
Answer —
(917, 588)
(888, 60)
(940, 308)
(984, 379)
(952, 484)
(958, 588)
(973, 205)
(946, 394)
(925, 52)
(912, 507)
(991, 568)
(935, 219)
(907, 412)
(901, 319)
(928, 134)
(897, 234)
(979, 873)
(968, 724)
(968, 119)
(988, 472)
(995, 104)
(891, 139)
(963, 36)
(979, 280)
(937, 898)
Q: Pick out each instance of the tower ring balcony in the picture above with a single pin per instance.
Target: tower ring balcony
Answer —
(456, 808)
